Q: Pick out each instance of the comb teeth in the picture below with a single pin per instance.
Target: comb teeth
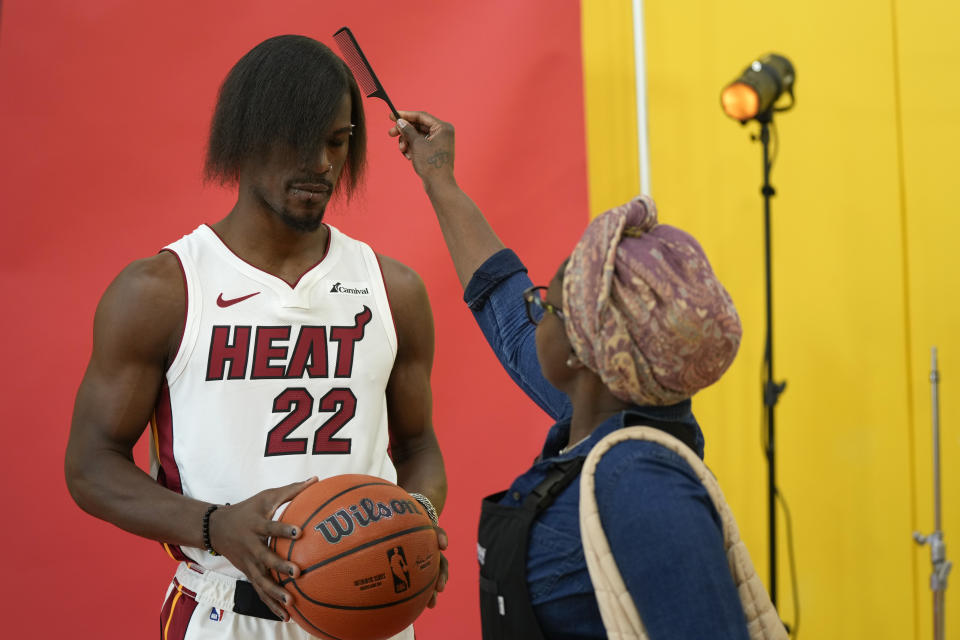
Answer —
(356, 61)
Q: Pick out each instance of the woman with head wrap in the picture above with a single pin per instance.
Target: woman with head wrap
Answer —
(631, 326)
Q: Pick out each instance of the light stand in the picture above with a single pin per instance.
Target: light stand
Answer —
(753, 96)
(938, 550)
(771, 389)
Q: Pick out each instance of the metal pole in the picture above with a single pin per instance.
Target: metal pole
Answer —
(935, 413)
(771, 389)
(938, 549)
(640, 74)
(771, 432)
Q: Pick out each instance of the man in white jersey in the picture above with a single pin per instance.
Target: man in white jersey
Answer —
(265, 350)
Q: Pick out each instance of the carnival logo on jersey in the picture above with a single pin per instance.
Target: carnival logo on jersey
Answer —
(352, 288)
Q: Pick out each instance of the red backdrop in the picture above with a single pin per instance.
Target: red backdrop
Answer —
(104, 107)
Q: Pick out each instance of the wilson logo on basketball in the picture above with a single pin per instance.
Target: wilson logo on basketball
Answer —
(343, 523)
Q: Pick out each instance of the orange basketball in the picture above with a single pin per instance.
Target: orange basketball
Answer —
(368, 558)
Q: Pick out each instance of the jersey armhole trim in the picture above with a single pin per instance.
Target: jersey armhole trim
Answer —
(186, 308)
(386, 293)
(188, 336)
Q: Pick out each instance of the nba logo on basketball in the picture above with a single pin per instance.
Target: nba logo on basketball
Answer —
(398, 566)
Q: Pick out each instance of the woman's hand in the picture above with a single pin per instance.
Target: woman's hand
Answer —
(428, 143)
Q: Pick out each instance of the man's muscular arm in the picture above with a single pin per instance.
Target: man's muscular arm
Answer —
(414, 446)
(136, 334)
(136, 323)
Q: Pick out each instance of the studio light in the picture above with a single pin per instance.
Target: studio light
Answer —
(754, 96)
(758, 88)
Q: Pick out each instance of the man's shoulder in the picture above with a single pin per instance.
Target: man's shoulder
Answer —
(142, 310)
(409, 301)
(399, 275)
(151, 287)
(152, 275)
(164, 270)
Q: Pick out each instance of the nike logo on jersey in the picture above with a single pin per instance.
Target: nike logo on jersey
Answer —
(232, 301)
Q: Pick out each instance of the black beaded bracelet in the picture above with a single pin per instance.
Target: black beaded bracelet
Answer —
(206, 528)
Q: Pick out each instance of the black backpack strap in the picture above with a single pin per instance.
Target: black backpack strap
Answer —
(559, 476)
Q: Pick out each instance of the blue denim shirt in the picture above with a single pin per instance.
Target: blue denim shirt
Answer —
(662, 527)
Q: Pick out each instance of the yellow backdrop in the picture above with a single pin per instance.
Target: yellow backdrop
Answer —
(864, 273)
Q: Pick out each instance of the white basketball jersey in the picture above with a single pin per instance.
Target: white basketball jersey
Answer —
(274, 383)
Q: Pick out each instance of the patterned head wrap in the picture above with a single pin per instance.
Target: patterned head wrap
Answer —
(644, 309)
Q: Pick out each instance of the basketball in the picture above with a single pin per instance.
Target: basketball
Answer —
(368, 558)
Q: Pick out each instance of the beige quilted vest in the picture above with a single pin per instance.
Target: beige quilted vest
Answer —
(619, 614)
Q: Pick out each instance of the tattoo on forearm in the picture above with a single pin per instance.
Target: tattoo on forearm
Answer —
(439, 159)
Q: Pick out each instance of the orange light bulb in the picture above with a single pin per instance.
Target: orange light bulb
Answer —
(740, 101)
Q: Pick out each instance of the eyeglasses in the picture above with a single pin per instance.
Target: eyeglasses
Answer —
(534, 297)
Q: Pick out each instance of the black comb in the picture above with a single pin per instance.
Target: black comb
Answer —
(361, 68)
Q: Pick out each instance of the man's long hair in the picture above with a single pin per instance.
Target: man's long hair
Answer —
(285, 91)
